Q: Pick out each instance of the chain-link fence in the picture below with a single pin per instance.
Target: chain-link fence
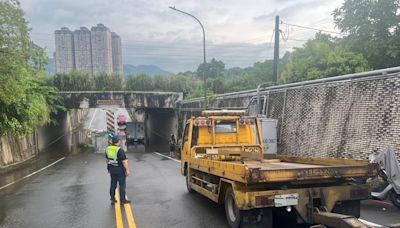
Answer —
(343, 119)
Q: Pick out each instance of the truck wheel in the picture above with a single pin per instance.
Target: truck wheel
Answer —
(395, 198)
(189, 188)
(233, 214)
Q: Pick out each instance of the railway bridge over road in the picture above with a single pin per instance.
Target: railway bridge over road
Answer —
(156, 109)
(128, 99)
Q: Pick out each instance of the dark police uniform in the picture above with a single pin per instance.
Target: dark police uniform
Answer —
(115, 155)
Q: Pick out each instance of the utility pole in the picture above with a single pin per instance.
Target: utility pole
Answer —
(276, 49)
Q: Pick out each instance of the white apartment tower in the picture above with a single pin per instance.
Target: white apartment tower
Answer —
(97, 50)
(64, 56)
(83, 50)
(116, 53)
(101, 49)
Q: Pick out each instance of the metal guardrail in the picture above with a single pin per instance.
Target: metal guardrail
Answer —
(122, 91)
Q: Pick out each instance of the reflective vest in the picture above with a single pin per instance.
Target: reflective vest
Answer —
(112, 152)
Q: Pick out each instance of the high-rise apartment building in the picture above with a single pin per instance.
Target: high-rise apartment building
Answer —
(65, 61)
(101, 49)
(83, 50)
(116, 53)
(94, 51)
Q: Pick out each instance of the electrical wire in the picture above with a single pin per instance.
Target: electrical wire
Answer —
(311, 28)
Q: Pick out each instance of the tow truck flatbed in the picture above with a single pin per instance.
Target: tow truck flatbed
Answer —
(285, 169)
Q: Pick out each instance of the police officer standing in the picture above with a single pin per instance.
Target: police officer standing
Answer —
(118, 168)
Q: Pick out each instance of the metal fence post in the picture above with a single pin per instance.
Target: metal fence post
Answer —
(282, 116)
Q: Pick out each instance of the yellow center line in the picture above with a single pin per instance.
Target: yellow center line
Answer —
(118, 214)
(129, 216)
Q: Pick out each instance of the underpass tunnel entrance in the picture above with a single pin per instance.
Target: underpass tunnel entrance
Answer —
(160, 124)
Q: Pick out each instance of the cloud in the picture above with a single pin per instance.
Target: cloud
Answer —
(237, 32)
(174, 56)
(291, 9)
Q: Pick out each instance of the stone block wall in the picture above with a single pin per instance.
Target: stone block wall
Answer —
(350, 119)
(340, 119)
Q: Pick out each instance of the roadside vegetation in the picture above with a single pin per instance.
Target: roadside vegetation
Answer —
(25, 101)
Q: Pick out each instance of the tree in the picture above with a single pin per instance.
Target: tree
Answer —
(214, 72)
(74, 81)
(109, 82)
(373, 30)
(159, 83)
(320, 58)
(140, 82)
(24, 101)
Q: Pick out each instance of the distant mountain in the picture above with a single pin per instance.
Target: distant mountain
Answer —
(144, 69)
(128, 69)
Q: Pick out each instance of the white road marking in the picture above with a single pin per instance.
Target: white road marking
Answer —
(165, 156)
(29, 175)
(94, 115)
(368, 223)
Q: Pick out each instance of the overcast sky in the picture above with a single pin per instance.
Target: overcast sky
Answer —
(238, 32)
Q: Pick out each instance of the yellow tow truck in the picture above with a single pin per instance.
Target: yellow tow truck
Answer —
(222, 158)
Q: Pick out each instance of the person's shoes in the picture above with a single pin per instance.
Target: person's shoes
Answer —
(125, 202)
(113, 201)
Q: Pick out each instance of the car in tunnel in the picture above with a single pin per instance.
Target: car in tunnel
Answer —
(134, 133)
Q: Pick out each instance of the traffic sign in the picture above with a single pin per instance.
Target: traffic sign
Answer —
(109, 102)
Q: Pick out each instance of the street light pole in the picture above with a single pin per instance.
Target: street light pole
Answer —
(204, 51)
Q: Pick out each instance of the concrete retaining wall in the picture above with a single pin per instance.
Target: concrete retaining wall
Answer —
(13, 150)
(16, 150)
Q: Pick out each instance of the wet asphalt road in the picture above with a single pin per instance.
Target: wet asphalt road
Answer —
(380, 212)
(74, 193)
(68, 194)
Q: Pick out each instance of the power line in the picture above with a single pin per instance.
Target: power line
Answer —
(323, 21)
(311, 28)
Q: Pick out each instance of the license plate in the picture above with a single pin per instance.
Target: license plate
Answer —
(286, 200)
